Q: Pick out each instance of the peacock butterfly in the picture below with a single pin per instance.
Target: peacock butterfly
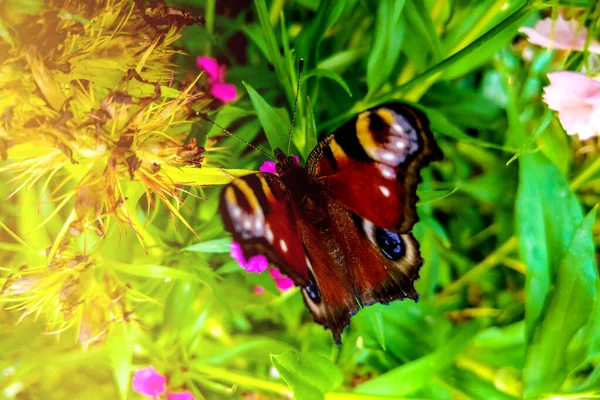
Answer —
(341, 226)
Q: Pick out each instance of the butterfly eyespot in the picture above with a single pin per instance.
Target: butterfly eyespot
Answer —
(389, 243)
(312, 290)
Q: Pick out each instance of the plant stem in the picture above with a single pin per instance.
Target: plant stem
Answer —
(490, 261)
(584, 175)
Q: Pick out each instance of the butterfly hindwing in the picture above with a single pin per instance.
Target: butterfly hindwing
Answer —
(372, 164)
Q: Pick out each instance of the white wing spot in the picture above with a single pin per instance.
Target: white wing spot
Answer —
(388, 156)
(386, 171)
(400, 145)
(283, 245)
(398, 128)
(258, 224)
(247, 224)
(385, 191)
(237, 212)
(268, 233)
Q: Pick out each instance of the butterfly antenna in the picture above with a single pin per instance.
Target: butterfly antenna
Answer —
(206, 118)
(300, 67)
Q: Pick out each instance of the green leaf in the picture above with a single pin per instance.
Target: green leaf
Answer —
(204, 175)
(430, 196)
(311, 127)
(308, 40)
(275, 129)
(567, 309)
(152, 271)
(547, 214)
(388, 38)
(222, 245)
(414, 375)
(341, 61)
(482, 50)
(273, 48)
(120, 345)
(309, 375)
(329, 75)
(440, 124)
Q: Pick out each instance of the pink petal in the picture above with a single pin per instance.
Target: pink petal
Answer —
(567, 89)
(258, 290)
(558, 34)
(223, 91)
(210, 66)
(149, 382)
(282, 282)
(577, 100)
(236, 253)
(180, 396)
(269, 166)
(255, 264)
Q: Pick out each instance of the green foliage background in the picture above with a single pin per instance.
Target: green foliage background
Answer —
(509, 305)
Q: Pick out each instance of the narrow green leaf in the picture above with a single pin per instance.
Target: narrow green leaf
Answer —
(311, 127)
(440, 124)
(430, 196)
(274, 127)
(322, 73)
(309, 375)
(273, 48)
(222, 245)
(203, 176)
(568, 308)
(547, 214)
(388, 38)
(414, 375)
(152, 271)
(308, 40)
(120, 345)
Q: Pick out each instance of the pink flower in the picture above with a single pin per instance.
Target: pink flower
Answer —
(282, 282)
(269, 166)
(149, 382)
(560, 34)
(258, 290)
(180, 396)
(577, 100)
(255, 264)
(216, 79)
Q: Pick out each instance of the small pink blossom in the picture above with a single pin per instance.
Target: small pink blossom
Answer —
(258, 290)
(255, 264)
(576, 97)
(560, 34)
(149, 382)
(282, 282)
(180, 396)
(215, 73)
(270, 166)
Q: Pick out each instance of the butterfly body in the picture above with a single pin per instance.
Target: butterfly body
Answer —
(340, 227)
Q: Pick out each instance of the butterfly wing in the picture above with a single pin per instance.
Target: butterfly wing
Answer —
(257, 212)
(369, 170)
(263, 219)
(372, 164)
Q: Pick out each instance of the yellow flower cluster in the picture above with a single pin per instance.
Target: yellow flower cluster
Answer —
(92, 123)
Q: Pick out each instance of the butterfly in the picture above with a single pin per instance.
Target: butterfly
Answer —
(340, 227)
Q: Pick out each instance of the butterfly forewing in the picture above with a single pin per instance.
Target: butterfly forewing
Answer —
(261, 219)
(371, 164)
